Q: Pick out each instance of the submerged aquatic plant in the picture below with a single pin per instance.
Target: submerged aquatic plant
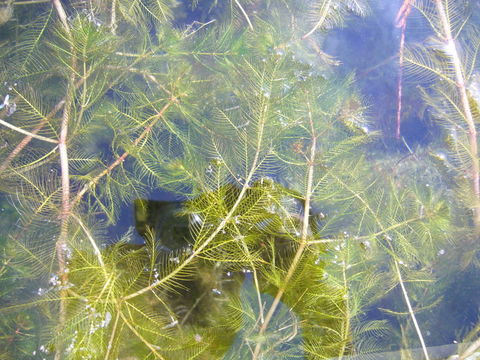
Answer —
(287, 238)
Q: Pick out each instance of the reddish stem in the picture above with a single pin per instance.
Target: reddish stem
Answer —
(401, 22)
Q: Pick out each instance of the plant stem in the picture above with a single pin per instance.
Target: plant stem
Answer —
(410, 310)
(470, 350)
(467, 111)
(244, 14)
(113, 17)
(62, 242)
(401, 20)
(346, 323)
(62, 15)
(137, 334)
(26, 140)
(28, 133)
(112, 335)
(225, 221)
(90, 238)
(323, 15)
(29, 2)
(122, 158)
(303, 239)
(400, 82)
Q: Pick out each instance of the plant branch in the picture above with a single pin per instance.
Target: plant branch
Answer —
(244, 14)
(55, 110)
(401, 20)
(90, 238)
(303, 239)
(113, 17)
(346, 323)
(122, 158)
(410, 310)
(137, 334)
(224, 222)
(29, 2)
(28, 133)
(472, 132)
(399, 275)
(470, 350)
(26, 140)
(62, 242)
(112, 335)
(323, 16)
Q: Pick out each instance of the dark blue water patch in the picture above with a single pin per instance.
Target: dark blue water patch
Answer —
(369, 48)
(127, 219)
(459, 310)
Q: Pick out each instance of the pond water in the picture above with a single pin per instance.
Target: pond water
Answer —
(241, 179)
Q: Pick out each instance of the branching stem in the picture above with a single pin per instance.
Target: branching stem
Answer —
(28, 133)
(122, 157)
(303, 240)
(410, 310)
(26, 140)
(62, 242)
(467, 111)
(470, 350)
(137, 334)
(90, 238)
(30, 2)
(224, 222)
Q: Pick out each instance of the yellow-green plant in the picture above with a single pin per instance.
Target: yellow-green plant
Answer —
(292, 236)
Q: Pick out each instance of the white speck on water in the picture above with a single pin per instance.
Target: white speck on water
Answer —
(216, 291)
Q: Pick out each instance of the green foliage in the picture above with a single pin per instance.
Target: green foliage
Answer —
(284, 239)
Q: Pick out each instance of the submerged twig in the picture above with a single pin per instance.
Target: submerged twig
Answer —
(26, 140)
(470, 350)
(90, 238)
(30, 2)
(112, 335)
(138, 335)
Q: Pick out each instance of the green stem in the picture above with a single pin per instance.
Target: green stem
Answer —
(303, 240)
(467, 111)
(410, 310)
(224, 222)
